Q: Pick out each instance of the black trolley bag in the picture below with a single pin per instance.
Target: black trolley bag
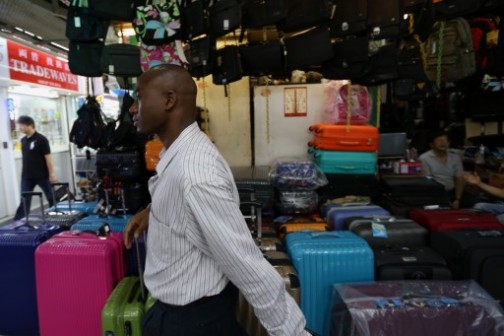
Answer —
(64, 219)
(398, 231)
(410, 263)
(474, 254)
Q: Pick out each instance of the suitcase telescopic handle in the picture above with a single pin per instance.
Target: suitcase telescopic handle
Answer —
(139, 265)
(24, 194)
(65, 185)
(257, 208)
(350, 143)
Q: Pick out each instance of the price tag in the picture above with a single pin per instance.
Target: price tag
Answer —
(77, 22)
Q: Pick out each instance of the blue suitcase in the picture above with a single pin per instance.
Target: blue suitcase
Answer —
(18, 303)
(87, 207)
(327, 207)
(335, 162)
(337, 215)
(93, 222)
(323, 259)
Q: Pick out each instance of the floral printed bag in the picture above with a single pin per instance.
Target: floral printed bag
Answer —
(169, 53)
(156, 24)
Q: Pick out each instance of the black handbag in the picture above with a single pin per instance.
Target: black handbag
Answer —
(383, 66)
(308, 49)
(121, 60)
(384, 18)
(260, 13)
(83, 26)
(120, 10)
(265, 58)
(302, 14)
(195, 19)
(350, 61)
(201, 56)
(350, 18)
(228, 67)
(84, 58)
(225, 17)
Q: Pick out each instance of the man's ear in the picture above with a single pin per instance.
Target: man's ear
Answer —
(171, 99)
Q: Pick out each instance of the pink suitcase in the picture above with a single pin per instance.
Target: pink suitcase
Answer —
(75, 274)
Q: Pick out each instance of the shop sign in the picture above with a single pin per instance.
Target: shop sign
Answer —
(30, 65)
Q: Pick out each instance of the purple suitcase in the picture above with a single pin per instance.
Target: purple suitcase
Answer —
(336, 216)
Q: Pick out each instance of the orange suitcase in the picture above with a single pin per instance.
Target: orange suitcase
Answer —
(345, 137)
(152, 150)
(300, 223)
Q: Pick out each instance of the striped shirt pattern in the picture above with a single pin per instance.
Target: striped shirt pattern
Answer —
(198, 239)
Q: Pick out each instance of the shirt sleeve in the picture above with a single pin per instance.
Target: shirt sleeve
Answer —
(425, 166)
(46, 149)
(458, 166)
(228, 241)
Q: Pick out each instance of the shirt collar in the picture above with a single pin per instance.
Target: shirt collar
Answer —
(169, 153)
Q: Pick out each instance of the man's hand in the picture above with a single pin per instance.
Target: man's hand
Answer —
(53, 178)
(472, 178)
(136, 226)
(455, 204)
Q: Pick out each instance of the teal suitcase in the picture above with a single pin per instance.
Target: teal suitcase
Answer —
(124, 310)
(335, 162)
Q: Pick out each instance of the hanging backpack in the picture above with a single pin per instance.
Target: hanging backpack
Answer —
(89, 127)
(449, 51)
(121, 132)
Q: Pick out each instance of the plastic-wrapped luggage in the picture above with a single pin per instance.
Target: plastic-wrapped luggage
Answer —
(296, 174)
(18, 304)
(322, 259)
(414, 308)
(297, 202)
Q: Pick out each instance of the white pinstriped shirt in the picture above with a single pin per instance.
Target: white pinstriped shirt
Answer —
(198, 239)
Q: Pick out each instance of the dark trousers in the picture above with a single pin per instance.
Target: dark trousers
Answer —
(28, 184)
(214, 316)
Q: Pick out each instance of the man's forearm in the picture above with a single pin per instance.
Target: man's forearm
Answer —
(497, 192)
(459, 187)
(50, 165)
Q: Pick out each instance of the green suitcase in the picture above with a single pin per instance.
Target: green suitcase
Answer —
(124, 310)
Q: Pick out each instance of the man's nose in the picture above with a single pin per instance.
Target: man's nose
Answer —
(134, 108)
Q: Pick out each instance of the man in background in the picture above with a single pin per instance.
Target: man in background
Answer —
(444, 166)
(38, 168)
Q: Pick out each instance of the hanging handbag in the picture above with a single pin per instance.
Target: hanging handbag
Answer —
(227, 66)
(308, 49)
(121, 60)
(225, 17)
(201, 56)
(169, 53)
(84, 58)
(195, 19)
(350, 61)
(157, 24)
(82, 25)
(302, 14)
(260, 13)
(264, 58)
(119, 10)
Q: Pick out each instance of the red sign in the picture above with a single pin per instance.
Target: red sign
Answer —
(33, 66)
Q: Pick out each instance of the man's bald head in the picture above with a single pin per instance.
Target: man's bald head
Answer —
(171, 77)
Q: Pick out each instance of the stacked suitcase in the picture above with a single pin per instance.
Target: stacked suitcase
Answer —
(347, 155)
(400, 248)
(254, 179)
(402, 194)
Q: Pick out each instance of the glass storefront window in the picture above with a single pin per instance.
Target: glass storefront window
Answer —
(48, 114)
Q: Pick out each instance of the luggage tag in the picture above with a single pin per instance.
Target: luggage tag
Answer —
(378, 230)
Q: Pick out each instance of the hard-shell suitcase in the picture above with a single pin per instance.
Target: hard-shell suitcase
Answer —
(330, 205)
(337, 215)
(93, 222)
(445, 220)
(335, 162)
(322, 259)
(87, 207)
(353, 138)
(414, 308)
(474, 254)
(69, 216)
(245, 313)
(301, 223)
(124, 309)
(405, 263)
(152, 150)
(402, 205)
(18, 303)
(270, 244)
(397, 231)
(411, 186)
(75, 274)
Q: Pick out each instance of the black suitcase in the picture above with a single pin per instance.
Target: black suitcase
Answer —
(474, 254)
(344, 185)
(121, 60)
(350, 18)
(402, 205)
(411, 186)
(384, 18)
(398, 231)
(405, 263)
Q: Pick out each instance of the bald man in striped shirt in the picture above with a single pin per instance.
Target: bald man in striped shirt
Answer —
(199, 246)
